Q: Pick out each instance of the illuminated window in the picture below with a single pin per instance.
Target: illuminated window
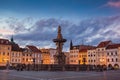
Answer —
(108, 60)
(3, 53)
(8, 53)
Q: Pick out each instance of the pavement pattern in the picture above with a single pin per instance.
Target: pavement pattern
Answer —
(59, 75)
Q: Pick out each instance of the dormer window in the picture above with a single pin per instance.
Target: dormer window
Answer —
(1, 41)
(6, 42)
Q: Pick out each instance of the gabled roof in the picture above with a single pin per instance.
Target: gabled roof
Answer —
(15, 47)
(33, 48)
(104, 44)
(113, 46)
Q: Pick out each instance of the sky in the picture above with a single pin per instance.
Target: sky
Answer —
(35, 22)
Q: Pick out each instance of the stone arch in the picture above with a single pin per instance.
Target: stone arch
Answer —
(116, 66)
(110, 66)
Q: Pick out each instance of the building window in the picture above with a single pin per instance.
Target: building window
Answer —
(15, 60)
(23, 59)
(12, 60)
(18, 60)
(102, 49)
(8, 53)
(108, 60)
(91, 55)
(12, 54)
(27, 60)
(3, 53)
(116, 53)
(111, 53)
(91, 60)
(79, 55)
(108, 54)
(94, 60)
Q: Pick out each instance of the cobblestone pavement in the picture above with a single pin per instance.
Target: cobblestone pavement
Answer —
(59, 75)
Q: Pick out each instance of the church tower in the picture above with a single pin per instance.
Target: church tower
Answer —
(71, 45)
(12, 40)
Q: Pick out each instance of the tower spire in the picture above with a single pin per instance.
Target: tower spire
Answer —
(12, 40)
(71, 45)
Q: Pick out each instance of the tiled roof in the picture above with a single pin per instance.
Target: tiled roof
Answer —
(4, 41)
(15, 47)
(33, 48)
(103, 44)
(83, 50)
(85, 47)
(113, 46)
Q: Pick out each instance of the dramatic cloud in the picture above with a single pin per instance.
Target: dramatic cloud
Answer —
(40, 32)
(114, 4)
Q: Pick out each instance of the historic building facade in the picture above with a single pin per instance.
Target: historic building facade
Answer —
(78, 54)
(113, 55)
(35, 53)
(52, 52)
(91, 54)
(45, 56)
(5, 50)
(106, 53)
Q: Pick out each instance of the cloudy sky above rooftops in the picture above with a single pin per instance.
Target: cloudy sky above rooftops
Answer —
(35, 22)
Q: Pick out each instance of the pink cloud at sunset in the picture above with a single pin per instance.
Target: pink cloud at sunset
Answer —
(114, 4)
(6, 32)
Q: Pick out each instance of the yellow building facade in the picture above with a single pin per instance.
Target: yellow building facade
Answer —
(45, 56)
(5, 50)
(83, 59)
